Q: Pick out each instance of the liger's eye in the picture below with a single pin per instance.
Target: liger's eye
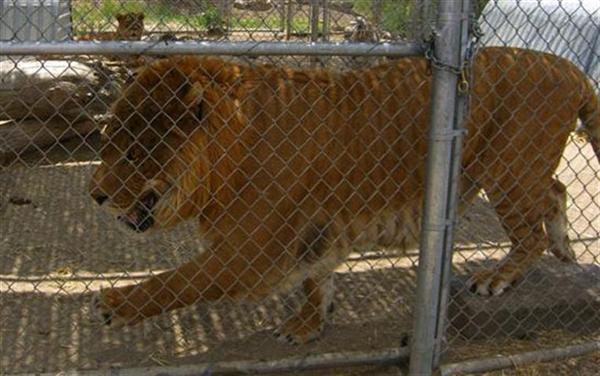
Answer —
(130, 156)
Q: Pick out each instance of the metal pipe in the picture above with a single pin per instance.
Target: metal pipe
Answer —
(499, 362)
(326, 21)
(212, 48)
(437, 223)
(281, 10)
(416, 20)
(426, 17)
(590, 60)
(227, 5)
(330, 360)
(314, 20)
(376, 10)
(453, 196)
(289, 18)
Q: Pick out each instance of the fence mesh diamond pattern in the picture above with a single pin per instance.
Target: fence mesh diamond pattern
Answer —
(173, 210)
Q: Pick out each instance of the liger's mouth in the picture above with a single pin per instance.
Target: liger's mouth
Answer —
(141, 218)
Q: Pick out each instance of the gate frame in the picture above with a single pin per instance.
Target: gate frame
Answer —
(449, 61)
(250, 48)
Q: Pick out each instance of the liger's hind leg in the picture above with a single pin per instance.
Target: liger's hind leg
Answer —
(556, 223)
(316, 258)
(308, 323)
(522, 213)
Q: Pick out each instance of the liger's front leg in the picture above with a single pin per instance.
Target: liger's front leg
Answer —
(229, 270)
(204, 278)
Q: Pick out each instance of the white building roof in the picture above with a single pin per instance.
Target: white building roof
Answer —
(568, 28)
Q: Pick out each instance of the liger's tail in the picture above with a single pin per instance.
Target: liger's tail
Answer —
(589, 114)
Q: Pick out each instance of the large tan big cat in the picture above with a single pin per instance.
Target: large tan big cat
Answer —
(287, 171)
(130, 26)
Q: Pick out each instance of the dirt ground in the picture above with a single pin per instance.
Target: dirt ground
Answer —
(57, 248)
(579, 366)
(587, 365)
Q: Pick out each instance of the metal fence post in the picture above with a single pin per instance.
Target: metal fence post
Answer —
(289, 16)
(314, 20)
(326, 21)
(453, 203)
(441, 186)
(417, 20)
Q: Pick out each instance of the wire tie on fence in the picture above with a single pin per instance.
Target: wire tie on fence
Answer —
(440, 227)
(463, 85)
(448, 135)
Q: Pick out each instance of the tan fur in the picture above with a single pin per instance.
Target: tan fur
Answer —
(130, 26)
(287, 171)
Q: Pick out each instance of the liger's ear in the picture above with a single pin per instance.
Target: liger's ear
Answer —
(120, 17)
(192, 95)
(195, 98)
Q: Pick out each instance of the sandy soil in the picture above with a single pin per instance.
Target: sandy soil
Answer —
(56, 249)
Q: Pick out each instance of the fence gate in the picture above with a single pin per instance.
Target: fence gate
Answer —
(552, 312)
(219, 186)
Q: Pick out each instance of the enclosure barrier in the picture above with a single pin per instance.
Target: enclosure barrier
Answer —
(214, 48)
(519, 360)
(449, 60)
(58, 249)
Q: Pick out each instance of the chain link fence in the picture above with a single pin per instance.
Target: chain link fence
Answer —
(554, 304)
(166, 211)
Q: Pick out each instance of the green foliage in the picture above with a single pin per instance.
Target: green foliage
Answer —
(269, 22)
(363, 7)
(480, 4)
(395, 15)
(213, 20)
(392, 16)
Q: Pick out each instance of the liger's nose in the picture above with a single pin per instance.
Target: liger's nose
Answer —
(99, 198)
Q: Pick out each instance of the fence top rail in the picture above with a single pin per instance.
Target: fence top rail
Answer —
(211, 48)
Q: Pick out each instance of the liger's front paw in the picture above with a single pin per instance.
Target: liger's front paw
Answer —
(491, 282)
(109, 307)
(299, 330)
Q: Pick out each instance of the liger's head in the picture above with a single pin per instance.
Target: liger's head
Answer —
(154, 169)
